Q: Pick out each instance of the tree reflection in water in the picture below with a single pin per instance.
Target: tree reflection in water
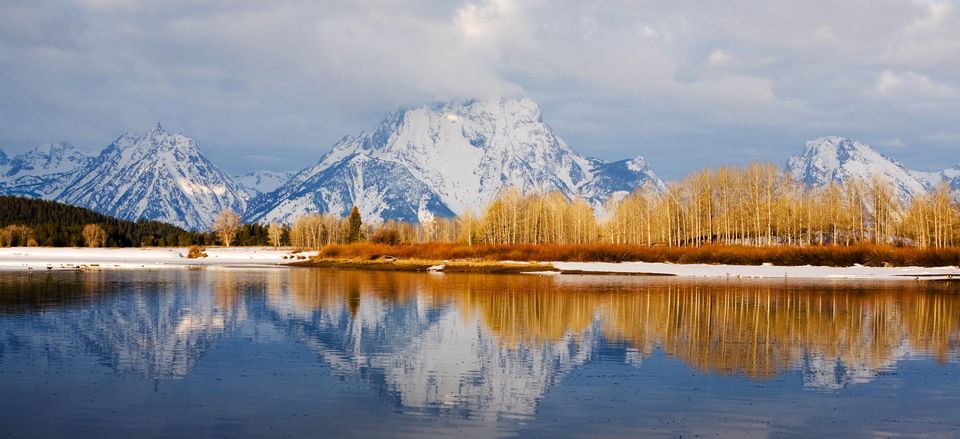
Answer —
(835, 333)
(485, 345)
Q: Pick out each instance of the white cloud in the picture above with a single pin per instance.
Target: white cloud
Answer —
(649, 32)
(912, 83)
(718, 58)
(824, 33)
(937, 12)
(486, 19)
(887, 81)
(672, 80)
(896, 143)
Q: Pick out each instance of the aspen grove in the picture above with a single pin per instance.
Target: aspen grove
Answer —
(755, 205)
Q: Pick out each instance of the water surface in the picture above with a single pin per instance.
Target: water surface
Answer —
(325, 353)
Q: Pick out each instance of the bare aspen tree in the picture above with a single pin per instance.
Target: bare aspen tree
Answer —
(468, 225)
(94, 235)
(275, 234)
(16, 235)
(885, 209)
(226, 226)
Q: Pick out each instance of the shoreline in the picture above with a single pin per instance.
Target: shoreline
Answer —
(83, 259)
(650, 269)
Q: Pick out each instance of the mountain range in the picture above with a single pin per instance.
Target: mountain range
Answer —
(841, 159)
(155, 176)
(418, 163)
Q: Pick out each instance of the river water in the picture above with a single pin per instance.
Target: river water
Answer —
(326, 353)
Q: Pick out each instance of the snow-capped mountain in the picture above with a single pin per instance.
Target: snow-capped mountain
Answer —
(261, 182)
(950, 176)
(42, 172)
(444, 159)
(840, 159)
(622, 177)
(157, 176)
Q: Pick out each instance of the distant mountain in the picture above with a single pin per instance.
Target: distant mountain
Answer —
(622, 177)
(160, 176)
(42, 172)
(951, 176)
(440, 160)
(841, 159)
(260, 182)
(155, 176)
(434, 160)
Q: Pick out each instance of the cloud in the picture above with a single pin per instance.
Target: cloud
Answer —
(676, 82)
(649, 32)
(718, 58)
(484, 20)
(911, 83)
(895, 143)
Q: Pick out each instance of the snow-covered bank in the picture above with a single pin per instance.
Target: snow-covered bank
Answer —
(71, 258)
(34, 258)
(765, 271)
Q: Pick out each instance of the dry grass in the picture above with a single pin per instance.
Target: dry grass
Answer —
(837, 256)
(197, 251)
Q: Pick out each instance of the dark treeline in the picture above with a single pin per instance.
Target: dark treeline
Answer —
(27, 221)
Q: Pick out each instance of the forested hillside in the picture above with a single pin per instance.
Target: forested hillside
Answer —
(26, 221)
(49, 223)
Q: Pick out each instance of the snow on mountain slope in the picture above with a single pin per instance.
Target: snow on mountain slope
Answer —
(42, 172)
(156, 176)
(380, 189)
(260, 182)
(620, 177)
(950, 176)
(442, 160)
(840, 159)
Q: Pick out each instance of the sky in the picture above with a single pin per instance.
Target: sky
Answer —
(273, 84)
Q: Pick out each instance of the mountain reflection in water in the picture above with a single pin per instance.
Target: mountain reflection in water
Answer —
(836, 333)
(480, 345)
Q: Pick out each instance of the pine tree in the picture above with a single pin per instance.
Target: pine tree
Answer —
(353, 235)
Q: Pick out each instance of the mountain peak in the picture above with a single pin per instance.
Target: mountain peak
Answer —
(838, 146)
(154, 140)
(836, 159)
(445, 158)
(157, 176)
(520, 109)
(638, 164)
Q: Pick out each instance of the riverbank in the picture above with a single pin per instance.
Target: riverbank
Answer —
(43, 258)
(81, 258)
(857, 272)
